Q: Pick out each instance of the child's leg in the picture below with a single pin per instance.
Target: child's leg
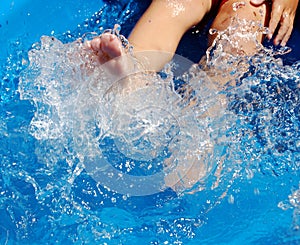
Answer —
(159, 30)
(242, 10)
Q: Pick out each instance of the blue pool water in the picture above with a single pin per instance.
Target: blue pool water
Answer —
(48, 197)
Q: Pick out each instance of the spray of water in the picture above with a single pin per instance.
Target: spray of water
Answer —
(230, 117)
(82, 107)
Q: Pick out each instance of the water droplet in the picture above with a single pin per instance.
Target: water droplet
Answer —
(231, 199)
(256, 191)
(238, 5)
(213, 31)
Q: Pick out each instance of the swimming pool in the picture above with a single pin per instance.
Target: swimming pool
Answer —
(46, 198)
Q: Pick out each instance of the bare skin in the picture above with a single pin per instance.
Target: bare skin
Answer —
(159, 21)
(161, 28)
(282, 17)
(245, 11)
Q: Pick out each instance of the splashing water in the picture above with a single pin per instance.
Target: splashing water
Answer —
(80, 115)
(81, 108)
(293, 203)
(81, 119)
(264, 94)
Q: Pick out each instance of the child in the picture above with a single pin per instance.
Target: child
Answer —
(160, 30)
(165, 21)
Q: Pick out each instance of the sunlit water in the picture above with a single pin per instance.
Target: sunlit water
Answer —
(61, 114)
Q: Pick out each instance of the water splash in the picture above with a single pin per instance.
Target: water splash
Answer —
(293, 203)
(79, 105)
(262, 137)
(264, 93)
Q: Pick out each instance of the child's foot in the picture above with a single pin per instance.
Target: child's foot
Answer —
(108, 50)
(106, 47)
